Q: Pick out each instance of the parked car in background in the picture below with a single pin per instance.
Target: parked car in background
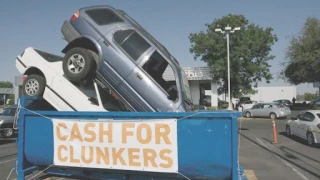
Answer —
(315, 101)
(247, 104)
(285, 102)
(241, 101)
(206, 101)
(7, 120)
(271, 110)
(107, 43)
(300, 124)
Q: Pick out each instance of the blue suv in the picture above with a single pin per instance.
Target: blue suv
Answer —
(106, 44)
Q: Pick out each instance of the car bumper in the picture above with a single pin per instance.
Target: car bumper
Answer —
(284, 113)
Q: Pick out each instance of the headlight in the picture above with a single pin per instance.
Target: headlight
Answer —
(1, 121)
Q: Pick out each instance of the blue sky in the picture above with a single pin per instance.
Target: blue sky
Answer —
(38, 24)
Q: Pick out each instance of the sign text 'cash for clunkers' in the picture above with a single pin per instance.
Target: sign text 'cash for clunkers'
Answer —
(122, 145)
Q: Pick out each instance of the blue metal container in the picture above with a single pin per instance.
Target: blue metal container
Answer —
(207, 144)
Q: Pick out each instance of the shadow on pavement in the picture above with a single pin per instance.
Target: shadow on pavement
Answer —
(282, 157)
(299, 140)
(243, 129)
(7, 141)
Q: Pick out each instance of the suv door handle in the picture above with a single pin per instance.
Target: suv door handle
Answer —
(139, 75)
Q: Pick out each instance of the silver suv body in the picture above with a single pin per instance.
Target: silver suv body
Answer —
(107, 44)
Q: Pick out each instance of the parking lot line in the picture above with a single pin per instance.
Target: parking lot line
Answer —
(284, 162)
(293, 169)
(2, 162)
(8, 145)
(250, 175)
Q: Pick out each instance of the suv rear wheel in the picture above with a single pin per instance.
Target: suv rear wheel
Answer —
(78, 64)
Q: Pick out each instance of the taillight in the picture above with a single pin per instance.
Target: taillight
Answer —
(75, 16)
(24, 78)
(318, 126)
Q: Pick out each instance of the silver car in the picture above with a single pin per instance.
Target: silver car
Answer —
(107, 44)
(272, 110)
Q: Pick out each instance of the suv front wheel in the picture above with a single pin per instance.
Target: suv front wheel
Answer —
(78, 64)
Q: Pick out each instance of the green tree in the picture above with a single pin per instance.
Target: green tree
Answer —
(249, 53)
(310, 96)
(302, 63)
(5, 84)
(300, 97)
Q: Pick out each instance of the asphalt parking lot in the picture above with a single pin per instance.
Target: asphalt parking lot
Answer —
(290, 158)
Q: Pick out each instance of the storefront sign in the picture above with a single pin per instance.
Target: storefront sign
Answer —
(194, 74)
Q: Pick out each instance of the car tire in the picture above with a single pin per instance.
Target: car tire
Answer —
(273, 116)
(34, 85)
(8, 133)
(78, 64)
(288, 130)
(247, 114)
(310, 139)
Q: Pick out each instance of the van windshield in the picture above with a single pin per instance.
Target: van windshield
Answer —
(185, 86)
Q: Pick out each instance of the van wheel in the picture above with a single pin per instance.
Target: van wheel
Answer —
(78, 64)
(34, 85)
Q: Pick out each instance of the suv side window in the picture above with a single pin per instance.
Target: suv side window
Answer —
(155, 67)
(103, 16)
(131, 42)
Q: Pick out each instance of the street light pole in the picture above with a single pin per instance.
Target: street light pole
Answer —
(227, 31)
(229, 91)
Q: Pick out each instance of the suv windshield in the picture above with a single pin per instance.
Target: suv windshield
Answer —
(185, 86)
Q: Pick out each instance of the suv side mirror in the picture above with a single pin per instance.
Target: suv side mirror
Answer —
(93, 100)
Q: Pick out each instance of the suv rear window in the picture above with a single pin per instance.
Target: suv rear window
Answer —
(103, 16)
(131, 42)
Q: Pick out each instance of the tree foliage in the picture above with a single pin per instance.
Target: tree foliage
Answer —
(5, 84)
(249, 53)
(310, 96)
(303, 54)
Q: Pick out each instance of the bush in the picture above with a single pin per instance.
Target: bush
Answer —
(212, 108)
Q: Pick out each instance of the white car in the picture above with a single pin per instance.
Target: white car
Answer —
(44, 77)
(305, 125)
